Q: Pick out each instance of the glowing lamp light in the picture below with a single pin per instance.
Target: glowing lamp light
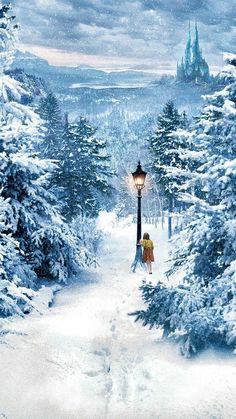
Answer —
(139, 177)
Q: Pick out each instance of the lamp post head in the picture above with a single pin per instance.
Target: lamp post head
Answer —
(139, 177)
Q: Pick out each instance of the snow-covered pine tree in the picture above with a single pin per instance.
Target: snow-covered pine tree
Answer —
(14, 271)
(50, 112)
(202, 307)
(165, 148)
(83, 170)
(44, 242)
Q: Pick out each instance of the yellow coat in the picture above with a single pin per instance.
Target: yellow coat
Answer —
(147, 244)
(147, 250)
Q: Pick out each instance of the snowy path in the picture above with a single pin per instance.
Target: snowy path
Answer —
(86, 359)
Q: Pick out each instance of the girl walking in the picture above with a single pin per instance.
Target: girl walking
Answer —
(148, 256)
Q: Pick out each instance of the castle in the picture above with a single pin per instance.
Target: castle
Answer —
(193, 67)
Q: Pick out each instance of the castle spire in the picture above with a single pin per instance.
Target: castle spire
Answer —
(196, 47)
(187, 57)
(196, 32)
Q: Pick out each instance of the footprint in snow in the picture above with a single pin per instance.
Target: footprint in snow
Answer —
(113, 328)
(146, 374)
(92, 373)
(102, 352)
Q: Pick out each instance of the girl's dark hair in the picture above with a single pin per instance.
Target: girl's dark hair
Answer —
(146, 236)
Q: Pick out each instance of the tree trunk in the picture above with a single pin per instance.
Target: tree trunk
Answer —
(170, 211)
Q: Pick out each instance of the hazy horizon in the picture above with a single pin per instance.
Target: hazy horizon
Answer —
(142, 69)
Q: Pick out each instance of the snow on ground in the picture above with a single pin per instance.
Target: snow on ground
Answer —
(87, 359)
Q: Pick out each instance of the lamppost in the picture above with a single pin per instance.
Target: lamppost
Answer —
(139, 177)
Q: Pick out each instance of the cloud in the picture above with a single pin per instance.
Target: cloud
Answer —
(206, 11)
(128, 29)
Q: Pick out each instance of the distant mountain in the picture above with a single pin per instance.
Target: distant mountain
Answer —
(28, 61)
(61, 77)
(57, 77)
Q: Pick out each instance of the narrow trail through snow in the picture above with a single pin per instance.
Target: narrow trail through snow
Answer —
(87, 359)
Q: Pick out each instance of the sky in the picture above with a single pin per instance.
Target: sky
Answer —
(145, 35)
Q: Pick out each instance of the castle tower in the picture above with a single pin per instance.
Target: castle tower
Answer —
(194, 67)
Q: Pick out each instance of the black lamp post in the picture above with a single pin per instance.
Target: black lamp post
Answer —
(139, 177)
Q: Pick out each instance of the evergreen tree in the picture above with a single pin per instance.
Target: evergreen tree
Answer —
(202, 306)
(166, 149)
(16, 277)
(184, 120)
(34, 240)
(83, 170)
(50, 113)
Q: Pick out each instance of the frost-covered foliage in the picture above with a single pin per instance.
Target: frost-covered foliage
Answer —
(14, 271)
(36, 87)
(83, 175)
(34, 241)
(50, 113)
(203, 307)
(127, 137)
(167, 146)
(88, 238)
(81, 181)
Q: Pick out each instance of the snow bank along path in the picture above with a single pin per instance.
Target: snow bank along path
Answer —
(86, 359)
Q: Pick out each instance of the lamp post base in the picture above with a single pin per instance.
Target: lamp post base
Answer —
(138, 260)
